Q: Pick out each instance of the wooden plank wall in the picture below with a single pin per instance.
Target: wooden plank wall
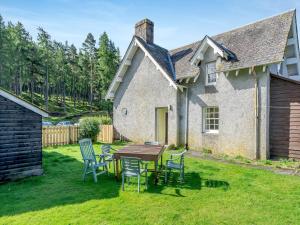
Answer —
(63, 135)
(20, 141)
(284, 119)
(106, 134)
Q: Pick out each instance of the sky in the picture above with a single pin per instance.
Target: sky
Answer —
(176, 23)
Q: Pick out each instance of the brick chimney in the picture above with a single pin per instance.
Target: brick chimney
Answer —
(144, 29)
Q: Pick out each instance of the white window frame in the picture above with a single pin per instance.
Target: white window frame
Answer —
(207, 73)
(204, 119)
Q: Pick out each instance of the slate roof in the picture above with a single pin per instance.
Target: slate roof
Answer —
(259, 43)
(161, 56)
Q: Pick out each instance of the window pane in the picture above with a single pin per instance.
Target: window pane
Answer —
(211, 78)
(211, 118)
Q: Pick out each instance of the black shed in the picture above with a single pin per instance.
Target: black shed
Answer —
(20, 138)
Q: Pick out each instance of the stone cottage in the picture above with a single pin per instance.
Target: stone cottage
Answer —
(214, 93)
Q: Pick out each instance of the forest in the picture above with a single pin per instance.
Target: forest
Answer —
(56, 76)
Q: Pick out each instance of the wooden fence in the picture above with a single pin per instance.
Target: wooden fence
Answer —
(63, 135)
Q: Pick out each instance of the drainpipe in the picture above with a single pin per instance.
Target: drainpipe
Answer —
(256, 109)
(186, 117)
(186, 145)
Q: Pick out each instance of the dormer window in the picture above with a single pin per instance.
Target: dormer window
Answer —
(211, 75)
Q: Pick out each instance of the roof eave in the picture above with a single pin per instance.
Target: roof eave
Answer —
(23, 103)
(136, 42)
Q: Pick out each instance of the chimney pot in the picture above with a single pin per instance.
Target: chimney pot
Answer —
(144, 30)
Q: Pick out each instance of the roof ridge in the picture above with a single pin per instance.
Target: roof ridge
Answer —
(193, 43)
(233, 29)
(257, 21)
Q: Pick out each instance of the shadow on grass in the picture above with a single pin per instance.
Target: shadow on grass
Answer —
(60, 185)
(192, 181)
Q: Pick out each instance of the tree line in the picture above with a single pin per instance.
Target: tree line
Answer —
(56, 70)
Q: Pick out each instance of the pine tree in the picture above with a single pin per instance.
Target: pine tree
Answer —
(108, 61)
(53, 69)
(44, 42)
(89, 52)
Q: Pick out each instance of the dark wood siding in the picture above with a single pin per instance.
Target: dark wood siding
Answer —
(284, 118)
(20, 141)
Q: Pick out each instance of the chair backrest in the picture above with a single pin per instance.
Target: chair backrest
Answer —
(87, 150)
(151, 143)
(131, 164)
(182, 157)
(105, 149)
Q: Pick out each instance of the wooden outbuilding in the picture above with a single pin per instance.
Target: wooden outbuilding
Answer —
(20, 138)
(284, 118)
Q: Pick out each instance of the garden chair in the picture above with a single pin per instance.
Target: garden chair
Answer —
(91, 165)
(151, 143)
(133, 167)
(106, 155)
(176, 162)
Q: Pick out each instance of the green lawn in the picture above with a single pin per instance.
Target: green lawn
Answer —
(213, 193)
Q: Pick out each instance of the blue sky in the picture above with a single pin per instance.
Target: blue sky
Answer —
(176, 22)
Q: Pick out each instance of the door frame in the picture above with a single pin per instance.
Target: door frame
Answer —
(166, 123)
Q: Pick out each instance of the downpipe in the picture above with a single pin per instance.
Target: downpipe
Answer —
(186, 118)
(256, 109)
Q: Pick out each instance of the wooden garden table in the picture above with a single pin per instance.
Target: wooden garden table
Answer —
(144, 152)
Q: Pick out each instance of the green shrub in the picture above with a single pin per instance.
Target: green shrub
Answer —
(89, 127)
(171, 147)
(105, 120)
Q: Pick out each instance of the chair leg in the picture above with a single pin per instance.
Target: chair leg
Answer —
(146, 180)
(84, 171)
(113, 164)
(123, 179)
(166, 175)
(138, 183)
(95, 175)
(106, 168)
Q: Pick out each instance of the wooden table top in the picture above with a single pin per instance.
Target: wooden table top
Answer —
(144, 152)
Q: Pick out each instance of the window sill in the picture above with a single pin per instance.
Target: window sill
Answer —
(211, 132)
(210, 85)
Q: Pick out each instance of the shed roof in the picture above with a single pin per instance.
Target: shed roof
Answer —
(21, 102)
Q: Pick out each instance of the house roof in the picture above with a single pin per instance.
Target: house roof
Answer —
(161, 56)
(22, 102)
(259, 43)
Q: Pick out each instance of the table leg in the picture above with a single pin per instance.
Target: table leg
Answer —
(117, 175)
(156, 172)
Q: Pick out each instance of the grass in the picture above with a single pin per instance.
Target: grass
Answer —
(213, 193)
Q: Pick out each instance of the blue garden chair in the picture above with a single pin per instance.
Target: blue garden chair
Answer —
(176, 162)
(91, 165)
(133, 167)
(106, 155)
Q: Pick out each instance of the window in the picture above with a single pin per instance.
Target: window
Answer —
(292, 69)
(211, 119)
(211, 75)
(290, 51)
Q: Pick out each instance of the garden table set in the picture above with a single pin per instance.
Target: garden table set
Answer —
(133, 160)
